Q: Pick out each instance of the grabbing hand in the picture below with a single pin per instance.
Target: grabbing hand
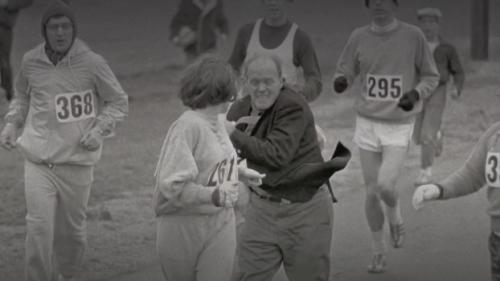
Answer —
(249, 176)
(8, 136)
(340, 84)
(424, 193)
(226, 195)
(455, 93)
(92, 140)
(408, 100)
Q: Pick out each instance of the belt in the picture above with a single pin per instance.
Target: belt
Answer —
(269, 197)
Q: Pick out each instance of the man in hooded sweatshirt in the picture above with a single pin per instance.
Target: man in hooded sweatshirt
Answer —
(66, 101)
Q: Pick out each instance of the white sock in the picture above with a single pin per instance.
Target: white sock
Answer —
(394, 214)
(378, 242)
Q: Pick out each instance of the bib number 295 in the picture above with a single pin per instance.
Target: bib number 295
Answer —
(384, 87)
(72, 107)
(493, 169)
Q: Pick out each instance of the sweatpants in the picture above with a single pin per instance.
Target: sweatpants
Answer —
(56, 201)
(428, 122)
(297, 235)
(494, 247)
(196, 247)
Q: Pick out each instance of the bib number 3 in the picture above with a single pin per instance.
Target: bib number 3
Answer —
(384, 87)
(493, 169)
(71, 107)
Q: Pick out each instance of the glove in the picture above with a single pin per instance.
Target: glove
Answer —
(424, 193)
(92, 140)
(8, 136)
(226, 195)
(340, 84)
(408, 100)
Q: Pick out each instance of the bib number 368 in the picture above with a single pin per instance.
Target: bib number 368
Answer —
(76, 106)
(492, 172)
(384, 87)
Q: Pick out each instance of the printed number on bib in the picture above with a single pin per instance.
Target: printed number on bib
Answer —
(71, 107)
(493, 169)
(225, 170)
(384, 87)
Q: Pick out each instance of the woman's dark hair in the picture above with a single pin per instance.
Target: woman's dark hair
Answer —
(207, 82)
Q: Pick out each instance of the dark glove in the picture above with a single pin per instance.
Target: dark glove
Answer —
(408, 100)
(340, 84)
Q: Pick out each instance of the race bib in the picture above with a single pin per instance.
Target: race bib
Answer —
(71, 107)
(492, 169)
(384, 87)
(224, 171)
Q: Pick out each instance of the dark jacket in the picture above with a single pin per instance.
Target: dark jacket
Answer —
(448, 63)
(283, 140)
(8, 14)
(204, 22)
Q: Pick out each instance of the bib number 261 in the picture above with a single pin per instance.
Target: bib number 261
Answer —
(493, 169)
(384, 87)
(72, 107)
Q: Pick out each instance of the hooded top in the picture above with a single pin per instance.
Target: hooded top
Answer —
(57, 8)
(58, 104)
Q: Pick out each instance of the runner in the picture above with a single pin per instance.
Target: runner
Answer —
(197, 180)
(67, 100)
(397, 72)
(428, 131)
(481, 168)
(275, 34)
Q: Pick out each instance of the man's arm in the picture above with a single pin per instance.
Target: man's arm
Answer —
(347, 64)
(305, 56)
(239, 52)
(221, 19)
(429, 75)
(470, 177)
(18, 108)
(455, 68)
(112, 96)
(280, 145)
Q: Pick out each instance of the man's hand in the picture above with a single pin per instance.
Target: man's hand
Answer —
(8, 136)
(249, 176)
(408, 100)
(340, 84)
(92, 140)
(226, 195)
(455, 93)
(426, 192)
(230, 126)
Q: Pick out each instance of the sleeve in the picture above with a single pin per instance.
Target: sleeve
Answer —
(347, 64)
(180, 19)
(177, 171)
(221, 20)
(426, 66)
(470, 177)
(455, 68)
(240, 47)
(18, 108)
(305, 56)
(278, 148)
(15, 5)
(111, 96)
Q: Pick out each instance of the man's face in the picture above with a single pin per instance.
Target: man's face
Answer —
(429, 26)
(274, 9)
(382, 9)
(59, 31)
(263, 83)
